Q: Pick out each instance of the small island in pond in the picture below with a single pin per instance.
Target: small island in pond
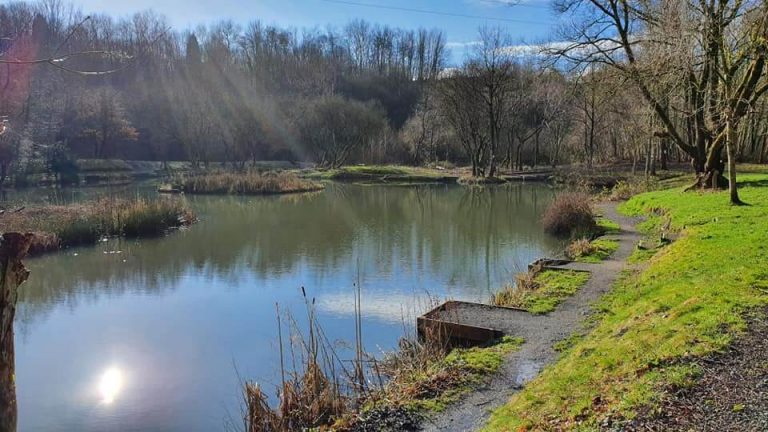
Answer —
(241, 183)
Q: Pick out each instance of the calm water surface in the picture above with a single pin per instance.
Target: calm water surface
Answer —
(155, 335)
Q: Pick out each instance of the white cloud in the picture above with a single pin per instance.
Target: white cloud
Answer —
(462, 44)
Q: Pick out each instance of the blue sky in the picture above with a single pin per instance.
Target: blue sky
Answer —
(530, 21)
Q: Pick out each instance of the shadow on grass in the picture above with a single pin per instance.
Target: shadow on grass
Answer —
(753, 183)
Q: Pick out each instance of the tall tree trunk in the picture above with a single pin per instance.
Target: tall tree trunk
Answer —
(730, 142)
(13, 247)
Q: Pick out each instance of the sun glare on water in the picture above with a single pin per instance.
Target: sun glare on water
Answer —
(110, 384)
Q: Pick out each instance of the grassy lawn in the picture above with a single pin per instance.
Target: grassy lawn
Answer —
(544, 292)
(690, 300)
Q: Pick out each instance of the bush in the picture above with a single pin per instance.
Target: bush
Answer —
(570, 214)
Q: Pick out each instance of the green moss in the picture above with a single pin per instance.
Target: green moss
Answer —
(602, 249)
(469, 367)
(554, 287)
(608, 226)
(689, 301)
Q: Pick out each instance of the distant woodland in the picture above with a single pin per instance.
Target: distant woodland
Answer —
(646, 84)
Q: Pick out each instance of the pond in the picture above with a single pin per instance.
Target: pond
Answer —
(157, 335)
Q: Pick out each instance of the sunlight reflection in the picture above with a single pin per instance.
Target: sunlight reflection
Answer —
(110, 384)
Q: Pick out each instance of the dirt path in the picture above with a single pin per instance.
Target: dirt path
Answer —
(540, 334)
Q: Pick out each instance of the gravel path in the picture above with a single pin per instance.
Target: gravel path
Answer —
(540, 334)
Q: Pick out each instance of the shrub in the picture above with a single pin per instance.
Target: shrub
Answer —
(570, 214)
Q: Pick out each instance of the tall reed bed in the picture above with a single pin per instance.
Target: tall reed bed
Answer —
(245, 183)
(321, 390)
(57, 226)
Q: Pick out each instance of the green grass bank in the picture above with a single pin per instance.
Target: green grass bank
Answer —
(684, 300)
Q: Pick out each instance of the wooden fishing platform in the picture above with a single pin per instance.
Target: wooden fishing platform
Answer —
(460, 323)
(465, 324)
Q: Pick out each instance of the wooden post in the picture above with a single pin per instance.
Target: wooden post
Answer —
(13, 247)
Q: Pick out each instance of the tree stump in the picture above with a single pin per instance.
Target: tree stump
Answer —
(13, 247)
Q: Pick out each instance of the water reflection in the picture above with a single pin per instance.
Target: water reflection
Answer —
(183, 309)
(110, 384)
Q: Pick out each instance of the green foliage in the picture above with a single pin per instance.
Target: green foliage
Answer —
(60, 162)
(688, 302)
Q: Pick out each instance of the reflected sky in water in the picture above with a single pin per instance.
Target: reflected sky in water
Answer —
(152, 334)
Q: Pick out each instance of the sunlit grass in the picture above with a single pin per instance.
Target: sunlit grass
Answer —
(440, 381)
(541, 292)
(690, 301)
(593, 251)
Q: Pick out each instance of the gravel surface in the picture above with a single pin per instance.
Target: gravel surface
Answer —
(540, 334)
(730, 395)
(512, 322)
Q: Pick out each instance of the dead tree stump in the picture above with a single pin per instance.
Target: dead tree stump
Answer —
(13, 247)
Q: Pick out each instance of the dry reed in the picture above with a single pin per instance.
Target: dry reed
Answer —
(245, 183)
(57, 226)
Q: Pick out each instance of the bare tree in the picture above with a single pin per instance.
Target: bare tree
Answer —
(696, 46)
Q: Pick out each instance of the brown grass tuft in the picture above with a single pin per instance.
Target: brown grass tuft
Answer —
(579, 248)
(570, 214)
(515, 295)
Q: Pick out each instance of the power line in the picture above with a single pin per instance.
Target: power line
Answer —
(516, 4)
(432, 12)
